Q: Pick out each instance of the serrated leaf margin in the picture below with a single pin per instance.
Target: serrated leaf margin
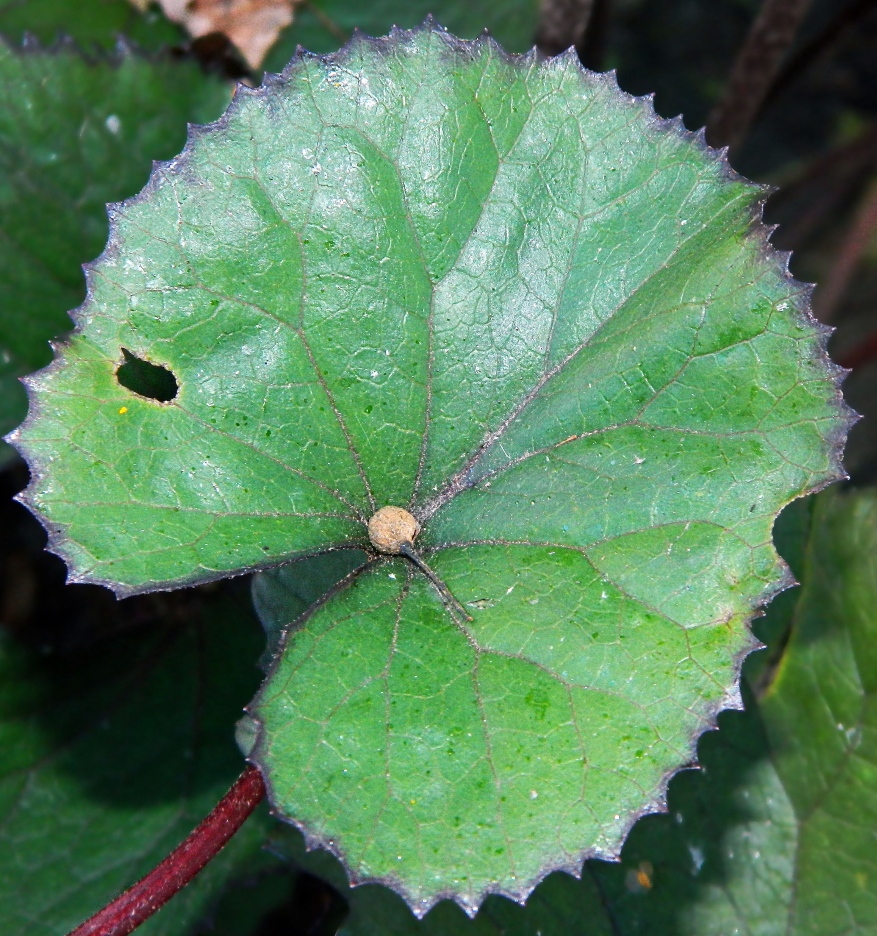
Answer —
(760, 231)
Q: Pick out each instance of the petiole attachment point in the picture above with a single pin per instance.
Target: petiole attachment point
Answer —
(391, 528)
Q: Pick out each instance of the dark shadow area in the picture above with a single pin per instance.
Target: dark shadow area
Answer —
(680, 51)
(217, 55)
(315, 908)
(35, 603)
(136, 700)
(147, 379)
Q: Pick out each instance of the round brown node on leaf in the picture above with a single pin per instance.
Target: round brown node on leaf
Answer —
(391, 528)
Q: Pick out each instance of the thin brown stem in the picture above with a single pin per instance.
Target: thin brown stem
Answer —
(754, 70)
(149, 894)
(828, 296)
(562, 24)
(452, 604)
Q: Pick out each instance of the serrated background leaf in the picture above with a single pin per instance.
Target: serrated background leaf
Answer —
(112, 753)
(75, 133)
(596, 409)
(88, 22)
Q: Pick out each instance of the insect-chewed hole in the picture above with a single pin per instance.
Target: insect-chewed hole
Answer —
(148, 380)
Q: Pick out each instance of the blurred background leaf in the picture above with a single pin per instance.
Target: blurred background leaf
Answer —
(113, 750)
(90, 23)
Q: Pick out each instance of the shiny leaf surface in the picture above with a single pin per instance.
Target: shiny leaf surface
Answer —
(759, 840)
(509, 298)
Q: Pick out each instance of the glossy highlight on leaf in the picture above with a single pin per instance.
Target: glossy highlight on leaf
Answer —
(500, 294)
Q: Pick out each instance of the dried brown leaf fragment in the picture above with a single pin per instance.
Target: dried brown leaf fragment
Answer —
(252, 25)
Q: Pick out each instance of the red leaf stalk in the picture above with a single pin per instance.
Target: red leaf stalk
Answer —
(152, 892)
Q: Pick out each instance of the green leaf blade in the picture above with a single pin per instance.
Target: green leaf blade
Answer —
(470, 741)
(506, 296)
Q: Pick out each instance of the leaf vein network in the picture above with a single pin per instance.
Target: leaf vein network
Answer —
(455, 485)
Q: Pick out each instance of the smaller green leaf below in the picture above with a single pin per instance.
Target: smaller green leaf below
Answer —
(772, 836)
(510, 696)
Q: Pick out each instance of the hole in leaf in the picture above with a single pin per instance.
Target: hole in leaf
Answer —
(145, 379)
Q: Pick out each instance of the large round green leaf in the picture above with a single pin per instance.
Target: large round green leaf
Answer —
(506, 296)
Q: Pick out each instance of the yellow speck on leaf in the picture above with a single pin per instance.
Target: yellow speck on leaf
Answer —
(123, 410)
